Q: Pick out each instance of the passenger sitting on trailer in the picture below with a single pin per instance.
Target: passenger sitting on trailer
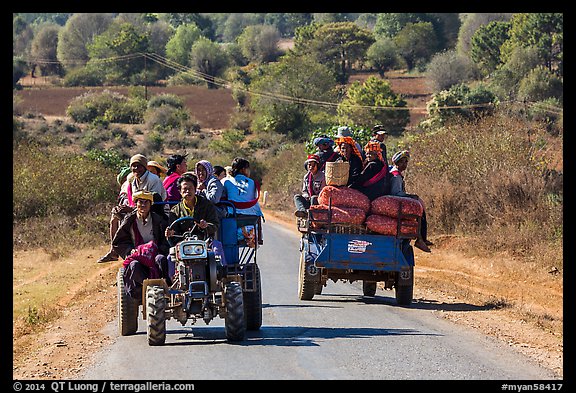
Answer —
(373, 179)
(196, 206)
(312, 183)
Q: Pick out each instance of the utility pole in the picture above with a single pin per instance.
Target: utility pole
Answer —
(145, 81)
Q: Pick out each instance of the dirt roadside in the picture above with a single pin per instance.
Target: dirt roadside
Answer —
(525, 314)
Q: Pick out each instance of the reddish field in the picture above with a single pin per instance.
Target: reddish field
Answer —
(211, 108)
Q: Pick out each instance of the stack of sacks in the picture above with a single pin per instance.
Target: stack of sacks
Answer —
(349, 206)
(384, 213)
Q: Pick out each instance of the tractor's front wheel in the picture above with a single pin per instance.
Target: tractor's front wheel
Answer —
(307, 283)
(155, 315)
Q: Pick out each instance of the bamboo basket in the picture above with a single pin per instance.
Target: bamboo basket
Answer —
(336, 173)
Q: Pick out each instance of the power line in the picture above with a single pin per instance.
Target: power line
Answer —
(272, 95)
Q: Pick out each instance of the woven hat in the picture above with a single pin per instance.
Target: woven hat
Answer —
(157, 165)
(343, 132)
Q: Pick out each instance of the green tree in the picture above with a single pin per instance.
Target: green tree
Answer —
(284, 97)
(544, 31)
(179, 46)
(373, 102)
(77, 34)
(383, 55)
(259, 43)
(486, 43)
(117, 51)
(44, 47)
(339, 45)
(449, 68)
(209, 59)
(416, 42)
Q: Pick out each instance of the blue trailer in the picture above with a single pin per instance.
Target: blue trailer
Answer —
(347, 252)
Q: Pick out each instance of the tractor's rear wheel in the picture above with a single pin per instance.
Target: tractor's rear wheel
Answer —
(405, 287)
(127, 308)
(253, 303)
(234, 323)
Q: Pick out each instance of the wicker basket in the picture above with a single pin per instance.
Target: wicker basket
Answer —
(337, 173)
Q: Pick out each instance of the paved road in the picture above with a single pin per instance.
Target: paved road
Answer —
(337, 335)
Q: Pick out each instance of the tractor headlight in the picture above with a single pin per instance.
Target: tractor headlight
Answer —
(193, 249)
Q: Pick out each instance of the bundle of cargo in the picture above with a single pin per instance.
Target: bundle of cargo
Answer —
(349, 207)
(393, 206)
(343, 197)
(340, 215)
(384, 225)
(395, 216)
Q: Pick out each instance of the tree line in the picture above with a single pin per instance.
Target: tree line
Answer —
(469, 59)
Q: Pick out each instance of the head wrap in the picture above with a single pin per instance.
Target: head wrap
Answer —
(323, 139)
(313, 157)
(140, 159)
(209, 169)
(351, 142)
(143, 195)
(123, 174)
(374, 146)
(401, 154)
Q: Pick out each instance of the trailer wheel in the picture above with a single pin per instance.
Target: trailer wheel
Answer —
(234, 323)
(405, 287)
(369, 288)
(127, 308)
(307, 284)
(156, 317)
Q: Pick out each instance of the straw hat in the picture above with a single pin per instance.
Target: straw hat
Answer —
(157, 165)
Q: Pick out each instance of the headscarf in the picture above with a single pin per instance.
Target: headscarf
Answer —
(352, 143)
(209, 170)
(323, 139)
(374, 146)
(123, 174)
(404, 153)
(143, 195)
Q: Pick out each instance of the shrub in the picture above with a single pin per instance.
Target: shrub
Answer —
(165, 118)
(106, 107)
(84, 76)
(539, 85)
(47, 182)
(166, 99)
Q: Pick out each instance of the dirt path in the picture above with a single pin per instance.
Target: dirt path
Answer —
(525, 314)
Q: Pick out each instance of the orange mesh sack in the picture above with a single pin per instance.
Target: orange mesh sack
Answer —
(388, 205)
(340, 215)
(389, 226)
(344, 197)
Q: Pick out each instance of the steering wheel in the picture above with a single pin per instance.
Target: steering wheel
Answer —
(182, 226)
